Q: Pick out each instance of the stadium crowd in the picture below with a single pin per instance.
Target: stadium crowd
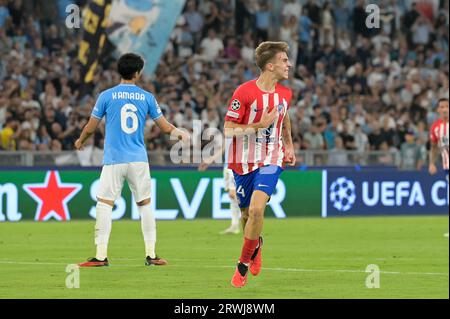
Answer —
(355, 88)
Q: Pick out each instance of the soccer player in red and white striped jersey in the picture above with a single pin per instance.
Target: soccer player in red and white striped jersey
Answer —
(439, 139)
(248, 104)
(258, 122)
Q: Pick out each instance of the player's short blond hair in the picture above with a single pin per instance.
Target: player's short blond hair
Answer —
(266, 51)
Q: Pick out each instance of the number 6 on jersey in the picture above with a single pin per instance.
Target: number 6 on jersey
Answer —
(128, 112)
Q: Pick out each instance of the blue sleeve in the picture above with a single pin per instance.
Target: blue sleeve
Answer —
(153, 108)
(100, 107)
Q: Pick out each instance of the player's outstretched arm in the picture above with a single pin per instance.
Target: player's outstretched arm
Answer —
(88, 130)
(433, 156)
(287, 139)
(169, 128)
(234, 129)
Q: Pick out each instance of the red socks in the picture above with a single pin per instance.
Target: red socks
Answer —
(248, 249)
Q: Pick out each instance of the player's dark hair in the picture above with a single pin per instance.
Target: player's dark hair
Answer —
(129, 64)
(266, 51)
(444, 99)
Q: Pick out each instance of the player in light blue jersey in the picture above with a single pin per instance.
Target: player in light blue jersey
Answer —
(125, 108)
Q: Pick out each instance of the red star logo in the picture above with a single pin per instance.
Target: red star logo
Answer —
(52, 197)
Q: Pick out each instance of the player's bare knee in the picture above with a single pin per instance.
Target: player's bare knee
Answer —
(256, 212)
(143, 202)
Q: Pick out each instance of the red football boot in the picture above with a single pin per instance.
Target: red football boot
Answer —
(239, 280)
(155, 261)
(94, 262)
(256, 260)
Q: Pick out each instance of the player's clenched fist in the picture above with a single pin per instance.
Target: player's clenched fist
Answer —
(290, 156)
(181, 134)
(78, 144)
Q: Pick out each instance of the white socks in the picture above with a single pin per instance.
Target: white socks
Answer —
(148, 224)
(235, 212)
(102, 229)
(104, 224)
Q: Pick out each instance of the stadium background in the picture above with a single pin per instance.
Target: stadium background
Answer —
(363, 102)
(363, 97)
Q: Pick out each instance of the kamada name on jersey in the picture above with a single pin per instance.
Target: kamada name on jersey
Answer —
(128, 96)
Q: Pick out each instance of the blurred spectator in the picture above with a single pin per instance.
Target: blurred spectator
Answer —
(411, 154)
(4, 14)
(409, 19)
(54, 43)
(90, 155)
(262, 16)
(337, 156)
(313, 139)
(212, 47)
(183, 39)
(376, 137)
(232, 51)
(248, 48)
(327, 26)
(226, 11)
(243, 16)
(195, 21)
(341, 15)
(305, 28)
(388, 154)
(313, 12)
(16, 12)
(388, 13)
(291, 8)
(348, 139)
(359, 17)
(421, 30)
(213, 20)
(42, 138)
(356, 78)
(361, 140)
(9, 133)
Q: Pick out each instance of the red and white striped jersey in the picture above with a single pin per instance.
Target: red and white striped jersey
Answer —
(250, 151)
(439, 136)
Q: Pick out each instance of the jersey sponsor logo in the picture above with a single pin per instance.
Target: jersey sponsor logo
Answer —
(235, 105)
(233, 114)
(268, 131)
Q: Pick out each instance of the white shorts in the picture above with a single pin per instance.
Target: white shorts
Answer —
(228, 178)
(113, 176)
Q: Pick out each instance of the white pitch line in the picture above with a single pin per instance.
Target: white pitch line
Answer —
(29, 263)
(315, 258)
(230, 267)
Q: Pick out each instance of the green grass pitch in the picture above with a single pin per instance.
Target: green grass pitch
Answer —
(302, 258)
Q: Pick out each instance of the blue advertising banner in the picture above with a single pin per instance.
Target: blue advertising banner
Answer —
(143, 27)
(348, 193)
